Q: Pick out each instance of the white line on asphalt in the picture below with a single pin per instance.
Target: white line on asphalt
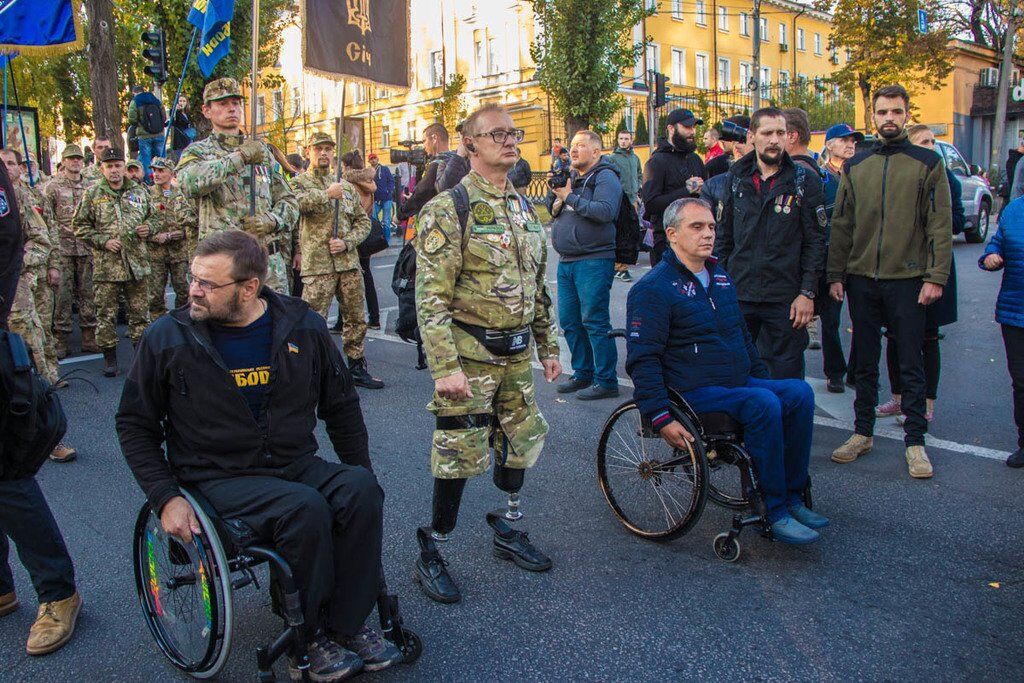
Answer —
(80, 359)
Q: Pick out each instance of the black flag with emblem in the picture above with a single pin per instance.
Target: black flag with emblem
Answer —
(357, 40)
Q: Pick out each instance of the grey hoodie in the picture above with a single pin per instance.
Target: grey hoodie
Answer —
(585, 226)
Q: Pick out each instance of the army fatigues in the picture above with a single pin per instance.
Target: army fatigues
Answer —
(325, 275)
(63, 197)
(169, 259)
(42, 292)
(211, 172)
(107, 214)
(492, 277)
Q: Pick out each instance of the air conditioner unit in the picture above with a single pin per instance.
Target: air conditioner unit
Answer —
(783, 47)
(989, 77)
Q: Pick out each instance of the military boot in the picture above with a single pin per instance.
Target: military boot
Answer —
(430, 572)
(89, 340)
(361, 376)
(110, 362)
(515, 546)
(60, 344)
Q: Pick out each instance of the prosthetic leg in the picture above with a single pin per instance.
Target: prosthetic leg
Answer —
(430, 572)
(510, 544)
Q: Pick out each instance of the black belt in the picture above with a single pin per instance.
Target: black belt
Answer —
(474, 421)
(499, 342)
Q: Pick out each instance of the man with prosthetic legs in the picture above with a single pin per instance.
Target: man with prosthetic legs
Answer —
(480, 297)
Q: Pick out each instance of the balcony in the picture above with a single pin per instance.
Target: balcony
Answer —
(983, 102)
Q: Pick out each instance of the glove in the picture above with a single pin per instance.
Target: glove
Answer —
(254, 153)
(261, 225)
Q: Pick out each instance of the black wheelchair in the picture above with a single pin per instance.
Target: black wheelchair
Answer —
(187, 593)
(659, 492)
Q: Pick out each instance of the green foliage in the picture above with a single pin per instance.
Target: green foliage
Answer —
(581, 51)
(642, 133)
(823, 107)
(452, 105)
(621, 128)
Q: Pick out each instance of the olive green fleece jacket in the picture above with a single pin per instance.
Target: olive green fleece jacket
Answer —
(892, 217)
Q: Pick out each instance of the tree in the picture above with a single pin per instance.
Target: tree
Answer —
(451, 106)
(885, 46)
(582, 49)
(106, 115)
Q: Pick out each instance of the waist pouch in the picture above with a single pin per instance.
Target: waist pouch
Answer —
(499, 342)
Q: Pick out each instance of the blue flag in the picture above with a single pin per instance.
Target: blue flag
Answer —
(213, 19)
(40, 28)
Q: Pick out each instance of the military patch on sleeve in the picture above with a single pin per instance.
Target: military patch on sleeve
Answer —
(483, 213)
(822, 216)
(434, 240)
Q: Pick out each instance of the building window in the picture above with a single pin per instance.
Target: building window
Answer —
(677, 9)
(493, 56)
(701, 71)
(479, 66)
(783, 34)
(654, 57)
(766, 81)
(629, 116)
(801, 44)
(723, 19)
(361, 93)
(724, 74)
(744, 24)
(385, 136)
(702, 15)
(746, 69)
(783, 80)
(436, 69)
(277, 108)
(764, 29)
(410, 130)
(296, 101)
(261, 110)
(817, 43)
(678, 66)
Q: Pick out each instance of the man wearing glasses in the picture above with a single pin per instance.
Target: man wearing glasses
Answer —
(233, 383)
(480, 297)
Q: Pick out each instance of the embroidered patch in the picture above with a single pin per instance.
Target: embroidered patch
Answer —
(483, 212)
(434, 241)
(822, 216)
(722, 281)
(5, 206)
(533, 226)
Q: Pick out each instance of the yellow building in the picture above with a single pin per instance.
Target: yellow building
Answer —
(703, 46)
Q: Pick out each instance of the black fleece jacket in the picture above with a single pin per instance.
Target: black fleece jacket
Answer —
(179, 392)
(12, 250)
(664, 180)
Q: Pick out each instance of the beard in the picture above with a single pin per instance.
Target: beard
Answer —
(769, 160)
(229, 313)
(890, 132)
(683, 143)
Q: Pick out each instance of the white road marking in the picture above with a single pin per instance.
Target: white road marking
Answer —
(80, 359)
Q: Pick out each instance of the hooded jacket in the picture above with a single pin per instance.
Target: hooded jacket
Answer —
(630, 173)
(584, 227)
(664, 180)
(1008, 242)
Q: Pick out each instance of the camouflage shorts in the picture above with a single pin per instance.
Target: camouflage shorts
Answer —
(504, 390)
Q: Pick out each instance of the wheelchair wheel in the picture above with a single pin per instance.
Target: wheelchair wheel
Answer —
(657, 492)
(413, 646)
(725, 487)
(185, 593)
(727, 549)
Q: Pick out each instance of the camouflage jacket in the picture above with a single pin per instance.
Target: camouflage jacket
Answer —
(211, 172)
(62, 198)
(92, 174)
(107, 214)
(39, 247)
(33, 197)
(316, 224)
(493, 275)
(165, 208)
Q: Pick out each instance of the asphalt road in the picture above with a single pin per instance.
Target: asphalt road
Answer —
(919, 580)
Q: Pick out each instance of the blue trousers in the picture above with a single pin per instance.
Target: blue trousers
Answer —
(778, 420)
(25, 518)
(149, 149)
(382, 212)
(583, 293)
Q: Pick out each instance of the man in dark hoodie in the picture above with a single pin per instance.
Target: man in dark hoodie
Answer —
(583, 234)
(674, 171)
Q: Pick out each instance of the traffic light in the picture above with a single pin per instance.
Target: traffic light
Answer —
(157, 54)
(660, 90)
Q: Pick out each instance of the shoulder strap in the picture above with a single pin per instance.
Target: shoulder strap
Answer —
(460, 198)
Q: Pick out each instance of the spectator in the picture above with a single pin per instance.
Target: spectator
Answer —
(840, 144)
(734, 143)
(674, 171)
(1006, 251)
(772, 243)
(148, 115)
(355, 172)
(890, 251)
(436, 144)
(383, 196)
(182, 130)
(520, 175)
(583, 234)
(712, 143)
(625, 160)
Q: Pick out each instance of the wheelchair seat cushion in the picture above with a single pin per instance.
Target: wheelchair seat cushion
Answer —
(720, 423)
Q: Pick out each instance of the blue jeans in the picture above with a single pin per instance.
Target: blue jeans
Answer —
(382, 212)
(778, 420)
(149, 149)
(583, 291)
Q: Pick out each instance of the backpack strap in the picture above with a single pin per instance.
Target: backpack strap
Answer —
(20, 388)
(460, 198)
(801, 178)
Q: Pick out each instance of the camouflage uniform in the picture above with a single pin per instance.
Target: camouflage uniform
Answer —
(42, 292)
(92, 174)
(107, 214)
(491, 276)
(169, 259)
(325, 275)
(211, 172)
(63, 196)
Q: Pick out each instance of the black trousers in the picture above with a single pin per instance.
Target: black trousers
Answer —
(660, 245)
(830, 314)
(1013, 339)
(892, 304)
(372, 307)
(932, 363)
(326, 521)
(25, 518)
(772, 330)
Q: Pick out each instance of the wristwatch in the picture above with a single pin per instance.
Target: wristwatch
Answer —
(808, 293)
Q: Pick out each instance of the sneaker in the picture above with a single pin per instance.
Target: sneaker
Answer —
(54, 625)
(596, 392)
(328, 662)
(901, 419)
(623, 276)
(8, 603)
(835, 386)
(373, 326)
(889, 408)
(856, 446)
(572, 385)
(63, 453)
(808, 517)
(377, 652)
(1015, 460)
(918, 464)
(788, 530)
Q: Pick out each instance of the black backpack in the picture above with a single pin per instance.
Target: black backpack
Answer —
(151, 117)
(628, 234)
(32, 420)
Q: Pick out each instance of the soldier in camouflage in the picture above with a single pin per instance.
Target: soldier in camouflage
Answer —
(329, 258)
(114, 221)
(136, 172)
(62, 195)
(480, 296)
(167, 255)
(215, 173)
(92, 173)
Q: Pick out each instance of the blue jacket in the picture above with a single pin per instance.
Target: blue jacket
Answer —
(1008, 242)
(682, 336)
(385, 184)
(584, 228)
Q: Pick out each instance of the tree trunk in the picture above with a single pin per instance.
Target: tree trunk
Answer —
(106, 115)
(574, 124)
(1003, 92)
(865, 96)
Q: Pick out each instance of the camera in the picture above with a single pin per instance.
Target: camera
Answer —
(558, 179)
(733, 132)
(416, 156)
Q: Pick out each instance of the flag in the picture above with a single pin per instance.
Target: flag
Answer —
(41, 28)
(213, 19)
(357, 40)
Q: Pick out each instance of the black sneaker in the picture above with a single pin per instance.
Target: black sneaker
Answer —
(361, 376)
(377, 652)
(1016, 458)
(835, 386)
(430, 572)
(515, 546)
(327, 661)
(572, 385)
(596, 391)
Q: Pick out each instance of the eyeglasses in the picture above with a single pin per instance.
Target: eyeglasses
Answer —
(208, 287)
(499, 136)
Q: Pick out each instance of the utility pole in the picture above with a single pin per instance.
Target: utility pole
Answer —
(756, 76)
(1003, 91)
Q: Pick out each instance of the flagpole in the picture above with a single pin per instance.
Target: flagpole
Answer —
(3, 122)
(177, 93)
(252, 98)
(21, 123)
(339, 132)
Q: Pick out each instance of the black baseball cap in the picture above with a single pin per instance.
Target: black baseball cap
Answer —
(683, 116)
(112, 154)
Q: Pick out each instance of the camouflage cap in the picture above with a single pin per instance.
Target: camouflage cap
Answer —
(133, 162)
(220, 89)
(112, 154)
(319, 138)
(162, 162)
(72, 151)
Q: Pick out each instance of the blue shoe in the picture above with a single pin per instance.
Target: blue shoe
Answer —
(808, 517)
(788, 530)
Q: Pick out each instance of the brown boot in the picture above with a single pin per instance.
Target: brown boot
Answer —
(63, 453)
(54, 625)
(8, 603)
(110, 362)
(89, 340)
(60, 343)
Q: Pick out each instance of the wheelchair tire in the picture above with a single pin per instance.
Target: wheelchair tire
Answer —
(185, 593)
(727, 549)
(724, 484)
(413, 646)
(655, 492)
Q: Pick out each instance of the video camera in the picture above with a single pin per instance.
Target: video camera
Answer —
(416, 156)
(733, 132)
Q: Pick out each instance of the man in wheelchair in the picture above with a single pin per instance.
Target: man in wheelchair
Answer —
(686, 333)
(233, 383)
